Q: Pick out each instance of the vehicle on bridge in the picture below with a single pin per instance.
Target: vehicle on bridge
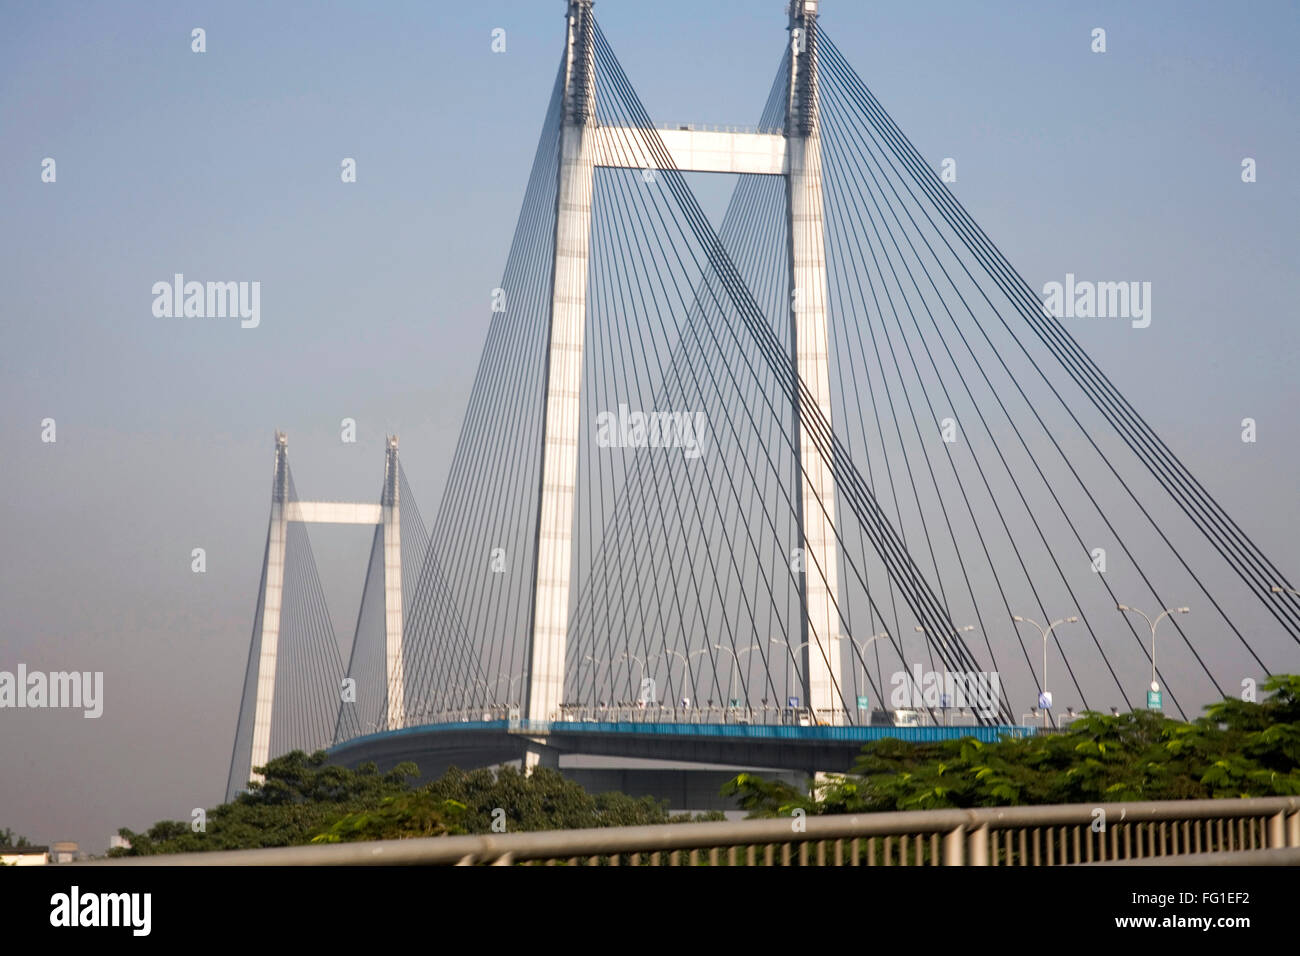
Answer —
(895, 718)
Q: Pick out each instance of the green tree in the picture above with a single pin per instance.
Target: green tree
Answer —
(303, 799)
(300, 797)
(408, 815)
(1237, 749)
(10, 839)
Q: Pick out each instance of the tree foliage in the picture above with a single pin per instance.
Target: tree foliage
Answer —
(1237, 749)
(303, 800)
(300, 796)
(10, 839)
(473, 801)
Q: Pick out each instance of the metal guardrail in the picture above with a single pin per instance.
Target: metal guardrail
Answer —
(1154, 832)
(1290, 856)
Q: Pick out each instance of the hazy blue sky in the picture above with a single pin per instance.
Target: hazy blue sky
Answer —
(375, 296)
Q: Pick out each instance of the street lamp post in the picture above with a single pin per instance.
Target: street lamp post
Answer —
(960, 630)
(510, 684)
(625, 656)
(670, 664)
(646, 669)
(862, 653)
(735, 664)
(686, 664)
(798, 648)
(1046, 632)
(1155, 685)
(747, 650)
(702, 650)
(595, 677)
(834, 637)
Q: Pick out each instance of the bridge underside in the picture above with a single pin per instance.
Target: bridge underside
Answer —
(791, 753)
(683, 787)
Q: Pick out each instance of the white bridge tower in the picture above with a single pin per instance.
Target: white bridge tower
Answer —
(385, 515)
(795, 155)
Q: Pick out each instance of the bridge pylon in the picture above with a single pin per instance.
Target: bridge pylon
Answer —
(272, 592)
(794, 154)
(810, 347)
(265, 651)
(391, 522)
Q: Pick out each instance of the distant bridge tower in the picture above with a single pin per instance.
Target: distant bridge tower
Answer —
(795, 155)
(284, 509)
(390, 512)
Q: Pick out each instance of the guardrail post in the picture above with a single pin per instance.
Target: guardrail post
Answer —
(1293, 828)
(954, 847)
(1277, 830)
(978, 851)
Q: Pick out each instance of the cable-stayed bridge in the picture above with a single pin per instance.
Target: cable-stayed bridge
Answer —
(725, 491)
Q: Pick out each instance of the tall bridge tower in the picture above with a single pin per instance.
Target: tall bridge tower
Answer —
(795, 154)
(810, 344)
(286, 509)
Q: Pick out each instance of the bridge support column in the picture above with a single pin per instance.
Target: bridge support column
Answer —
(538, 754)
(810, 345)
(392, 525)
(558, 485)
(272, 598)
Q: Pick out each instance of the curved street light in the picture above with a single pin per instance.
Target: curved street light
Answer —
(510, 682)
(1155, 685)
(960, 630)
(1046, 632)
(862, 653)
(802, 644)
(795, 654)
(628, 656)
(735, 664)
(686, 663)
(595, 666)
(923, 630)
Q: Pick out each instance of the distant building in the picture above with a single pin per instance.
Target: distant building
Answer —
(66, 852)
(118, 842)
(24, 855)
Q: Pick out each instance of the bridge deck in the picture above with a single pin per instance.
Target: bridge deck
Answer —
(470, 743)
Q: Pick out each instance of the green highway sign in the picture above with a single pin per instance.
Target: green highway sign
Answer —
(863, 703)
